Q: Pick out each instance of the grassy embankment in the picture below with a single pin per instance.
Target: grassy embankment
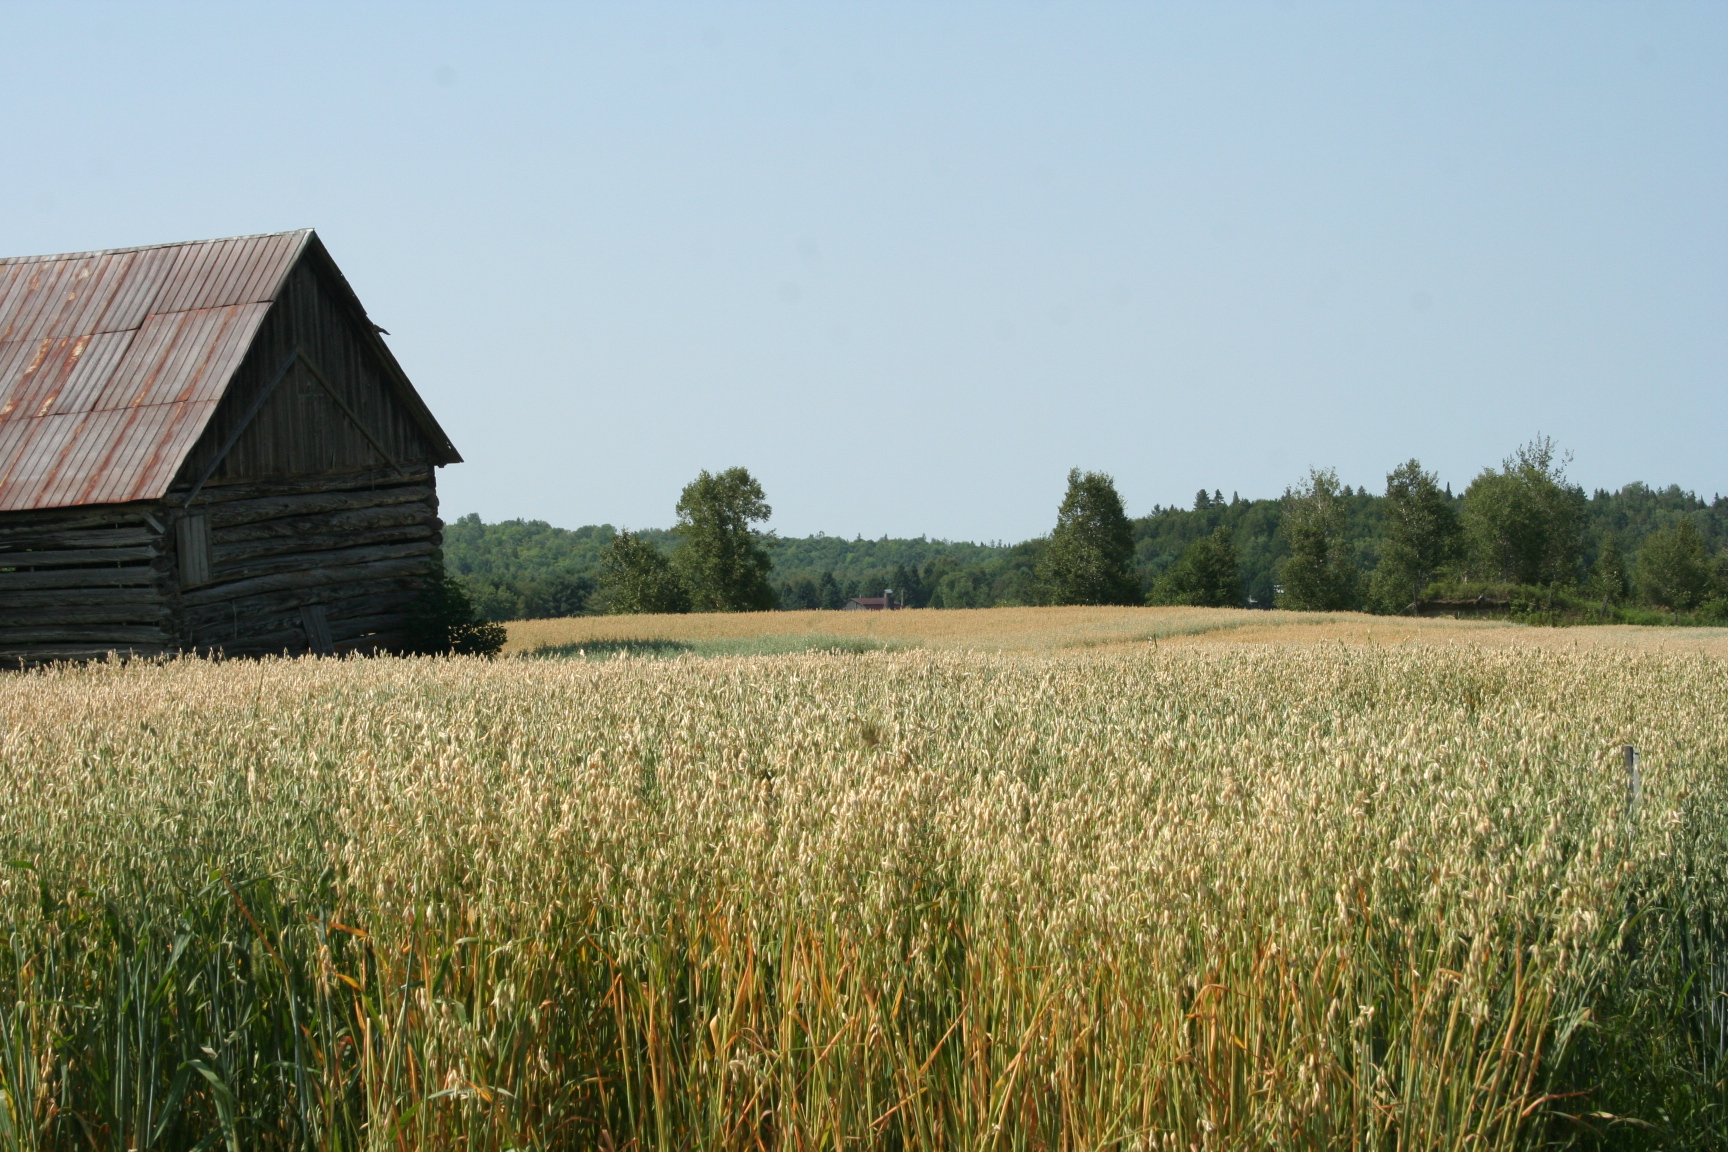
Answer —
(1204, 894)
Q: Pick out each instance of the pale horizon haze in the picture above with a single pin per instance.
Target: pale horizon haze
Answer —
(911, 263)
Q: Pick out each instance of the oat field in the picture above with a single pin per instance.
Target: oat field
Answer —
(1078, 895)
(1060, 629)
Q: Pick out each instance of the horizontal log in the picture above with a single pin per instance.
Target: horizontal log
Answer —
(77, 538)
(386, 516)
(382, 603)
(335, 598)
(274, 644)
(335, 558)
(68, 557)
(311, 578)
(133, 574)
(371, 644)
(137, 594)
(353, 480)
(135, 613)
(213, 625)
(76, 519)
(357, 626)
(226, 557)
(95, 634)
(279, 507)
(293, 642)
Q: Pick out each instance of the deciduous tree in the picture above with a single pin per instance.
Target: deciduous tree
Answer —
(1421, 536)
(636, 577)
(723, 559)
(1674, 570)
(1319, 575)
(1206, 575)
(1524, 523)
(1090, 558)
(1608, 575)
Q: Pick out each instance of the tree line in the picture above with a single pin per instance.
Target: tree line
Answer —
(1520, 540)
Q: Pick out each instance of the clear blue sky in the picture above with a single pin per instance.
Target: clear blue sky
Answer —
(909, 263)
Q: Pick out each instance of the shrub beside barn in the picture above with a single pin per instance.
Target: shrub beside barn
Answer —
(207, 447)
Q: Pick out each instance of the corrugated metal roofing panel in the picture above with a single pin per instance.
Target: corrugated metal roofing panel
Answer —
(104, 457)
(96, 366)
(41, 377)
(64, 375)
(143, 449)
(222, 272)
(130, 302)
(182, 356)
(111, 362)
(36, 296)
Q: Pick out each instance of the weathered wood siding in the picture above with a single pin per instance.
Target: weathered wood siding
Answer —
(335, 408)
(359, 547)
(317, 489)
(78, 583)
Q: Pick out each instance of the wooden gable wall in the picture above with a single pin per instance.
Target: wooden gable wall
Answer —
(311, 397)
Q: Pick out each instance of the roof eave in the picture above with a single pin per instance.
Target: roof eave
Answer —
(445, 450)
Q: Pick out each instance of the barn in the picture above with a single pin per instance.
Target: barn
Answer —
(207, 447)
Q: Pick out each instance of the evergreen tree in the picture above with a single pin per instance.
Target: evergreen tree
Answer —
(1674, 570)
(1206, 575)
(1090, 557)
(1318, 575)
(724, 560)
(1608, 574)
(636, 577)
(798, 594)
(1421, 536)
(828, 594)
(911, 588)
(1524, 523)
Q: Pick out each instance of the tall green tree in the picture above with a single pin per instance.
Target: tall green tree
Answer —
(1090, 557)
(636, 577)
(1420, 537)
(724, 560)
(1674, 570)
(1608, 575)
(1319, 575)
(1524, 522)
(1207, 574)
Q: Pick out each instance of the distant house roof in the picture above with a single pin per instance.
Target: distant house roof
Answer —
(112, 362)
(872, 603)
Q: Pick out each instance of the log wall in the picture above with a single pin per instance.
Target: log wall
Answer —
(295, 562)
(78, 583)
(333, 564)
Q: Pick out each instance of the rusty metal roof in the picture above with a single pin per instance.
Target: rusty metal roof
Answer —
(112, 362)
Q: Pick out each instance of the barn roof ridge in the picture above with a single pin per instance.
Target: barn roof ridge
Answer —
(113, 361)
(50, 256)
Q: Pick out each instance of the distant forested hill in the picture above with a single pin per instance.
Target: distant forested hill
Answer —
(1160, 538)
(520, 569)
(1629, 515)
(527, 569)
